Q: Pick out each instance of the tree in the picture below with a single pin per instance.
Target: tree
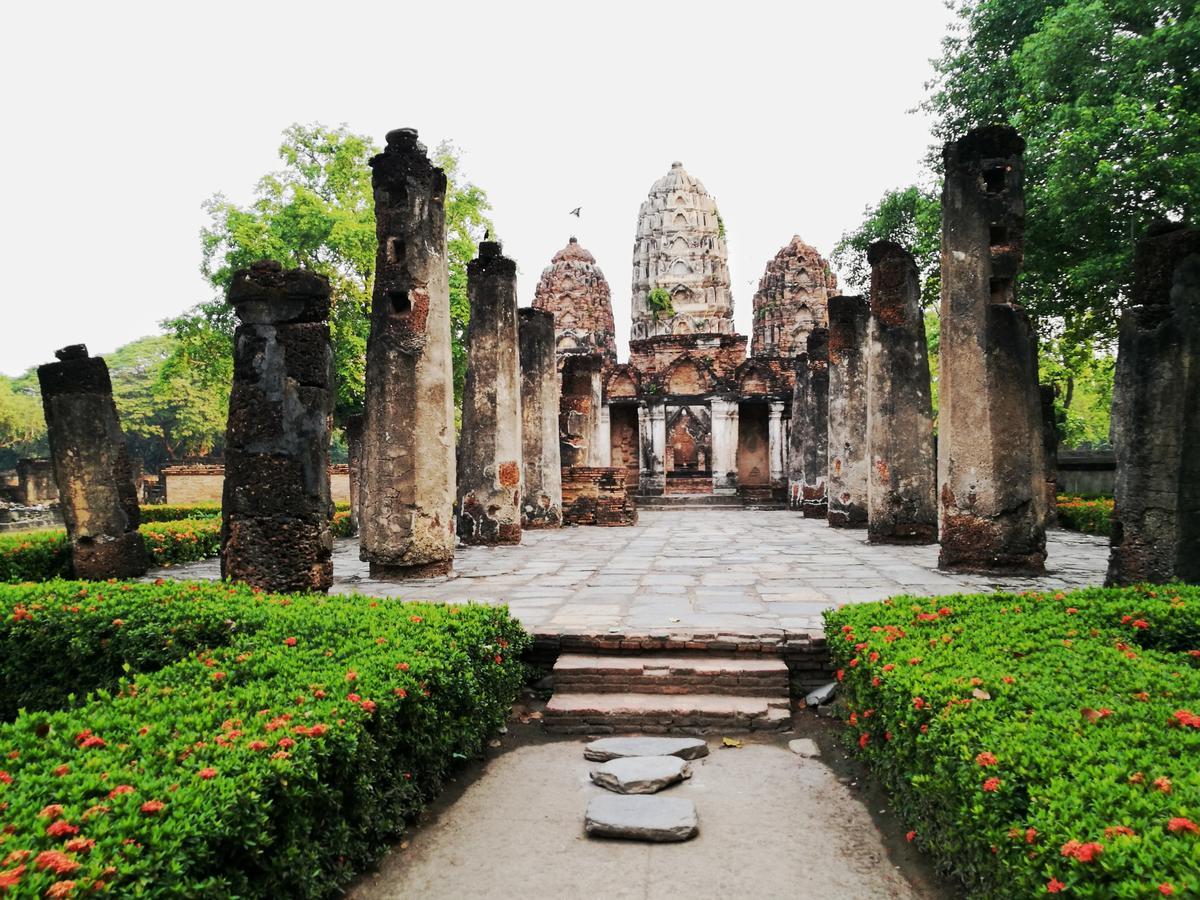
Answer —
(912, 218)
(1107, 96)
(318, 211)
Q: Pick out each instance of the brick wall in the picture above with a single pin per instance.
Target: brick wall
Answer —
(596, 496)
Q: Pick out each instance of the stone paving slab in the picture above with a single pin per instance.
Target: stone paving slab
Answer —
(684, 569)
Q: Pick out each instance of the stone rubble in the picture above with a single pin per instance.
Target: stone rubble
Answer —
(619, 747)
(641, 818)
(641, 774)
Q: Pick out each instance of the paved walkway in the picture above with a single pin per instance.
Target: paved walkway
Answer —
(697, 569)
(772, 825)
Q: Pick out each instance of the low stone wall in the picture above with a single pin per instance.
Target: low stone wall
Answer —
(1087, 472)
(595, 495)
(186, 485)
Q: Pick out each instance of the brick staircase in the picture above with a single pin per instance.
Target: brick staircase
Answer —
(677, 692)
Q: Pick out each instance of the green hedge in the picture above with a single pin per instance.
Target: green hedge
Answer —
(1036, 743)
(281, 743)
(172, 512)
(1093, 516)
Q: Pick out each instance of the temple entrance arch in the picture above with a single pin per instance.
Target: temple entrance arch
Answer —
(689, 449)
(753, 450)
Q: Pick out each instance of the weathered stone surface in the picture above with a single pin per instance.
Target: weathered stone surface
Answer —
(641, 774)
(354, 437)
(821, 695)
(1050, 436)
(276, 506)
(541, 501)
(91, 466)
(575, 291)
(1156, 415)
(596, 495)
(408, 468)
(580, 405)
(791, 300)
(990, 468)
(805, 747)
(680, 247)
(489, 454)
(35, 482)
(847, 488)
(619, 747)
(808, 461)
(902, 474)
(659, 819)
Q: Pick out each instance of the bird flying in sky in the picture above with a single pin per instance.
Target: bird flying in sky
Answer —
(575, 211)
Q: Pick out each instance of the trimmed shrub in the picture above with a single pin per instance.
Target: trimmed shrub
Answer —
(1082, 514)
(182, 541)
(1036, 743)
(172, 512)
(283, 741)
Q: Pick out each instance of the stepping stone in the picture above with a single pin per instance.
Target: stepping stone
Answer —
(641, 774)
(618, 747)
(641, 818)
(805, 747)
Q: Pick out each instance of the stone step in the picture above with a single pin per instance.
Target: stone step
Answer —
(692, 501)
(651, 673)
(603, 713)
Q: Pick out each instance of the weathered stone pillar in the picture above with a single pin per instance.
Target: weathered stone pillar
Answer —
(1156, 415)
(579, 409)
(1047, 394)
(408, 427)
(354, 439)
(808, 460)
(990, 468)
(276, 508)
(848, 412)
(775, 442)
(724, 444)
(91, 466)
(902, 474)
(489, 457)
(652, 433)
(541, 506)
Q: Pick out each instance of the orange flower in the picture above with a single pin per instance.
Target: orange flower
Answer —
(57, 862)
(80, 845)
(61, 828)
(150, 807)
(1053, 886)
(1179, 824)
(910, 836)
(207, 773)
(1163, 784)
(60, 889)
(992, 785)
(986, 759)
(1166, 889)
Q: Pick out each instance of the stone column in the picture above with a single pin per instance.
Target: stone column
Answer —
(579, 409)
(1156, 415)
(775, 442)
(600, 446)
(489, 452)
(354, 439)
(809, 457)
(408, 427)
(902, 478)
(724, 444)
(91, 467)
(848, 412)
(276, 507)
(652, 425)
(541, 506)
(990, 467)
(1047, 394)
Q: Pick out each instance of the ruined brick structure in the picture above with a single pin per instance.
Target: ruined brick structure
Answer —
(91, 466)
(1156, 415)
(489, 451)
(35, 482)
(990, 468)
(576, 292)
(541, 502)
(847, 485)
(596, 495)
(276, 508)
(902, 474)
(808, 459)
(408, 466)
(791, 300)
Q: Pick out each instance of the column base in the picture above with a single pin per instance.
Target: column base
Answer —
(387, 572)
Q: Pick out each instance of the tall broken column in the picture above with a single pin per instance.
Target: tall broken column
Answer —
(1156, 415)
(808, 459)
(91, 466)
(990, 467)
(408, 427)
(541, 504)
(902, 474)
(276, 508)
(489, 458)
(847, 487)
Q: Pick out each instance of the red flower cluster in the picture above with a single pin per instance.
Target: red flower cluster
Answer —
(986, 759)
(992, 784)
(1082, 852)
(1179, 824)
(1185, 718)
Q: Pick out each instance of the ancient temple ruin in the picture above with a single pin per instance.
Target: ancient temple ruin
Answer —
(808, 456)
(91, 466)
(791, 300)
(276, 509)
(541, 503)
(990, 468)
(902, 471)
(489, 450)
(1156, 415)
(847, 484)
(408, 466)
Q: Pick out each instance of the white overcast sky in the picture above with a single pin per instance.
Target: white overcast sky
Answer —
(121, 118)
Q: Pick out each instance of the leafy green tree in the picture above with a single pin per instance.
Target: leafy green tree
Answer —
(22, 427)
(1107, 96)
(318, 211)
(912, 217)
